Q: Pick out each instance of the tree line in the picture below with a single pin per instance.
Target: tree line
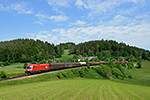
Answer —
(105, 49)
(28, 50)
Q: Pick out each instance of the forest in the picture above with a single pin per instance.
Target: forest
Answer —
(30, 50)
(105, 49)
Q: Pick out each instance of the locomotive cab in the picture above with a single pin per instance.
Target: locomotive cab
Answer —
(29, 69)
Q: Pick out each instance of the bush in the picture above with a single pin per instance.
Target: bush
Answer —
(75, 72)
(81, 72)
(118, 66)
(86, 69)
(64, 74)
(59, 75)
(130, 76)
(111, 64)
(6, 63)
(129, 65)
(105, 71)
(117, 73)
(24, 66)
(124, 65)
(3, 74)
(88, 66)
(139, 64)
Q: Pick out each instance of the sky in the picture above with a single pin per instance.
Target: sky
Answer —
(78, 21)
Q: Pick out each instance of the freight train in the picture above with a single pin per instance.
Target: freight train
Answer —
(38, 68)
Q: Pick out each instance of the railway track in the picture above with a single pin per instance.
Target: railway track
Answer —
(29, 76)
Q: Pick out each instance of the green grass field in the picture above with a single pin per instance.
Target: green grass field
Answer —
(14, 69)
(65, 56)
(50, 87)
(75, 89)
(141, 76)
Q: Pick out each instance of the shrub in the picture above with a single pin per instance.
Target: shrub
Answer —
(129, 65)
(118, 66)
(117, 73)
(24, 66)
(111, 64)
(59, 75)
(139, 64)
(124, 65)
(64, 74)
(75, 72)
(3, 74)
(130, 76)
(86, 69)
(81, 72)
(88, 66)
(105, 71)
(6, 63)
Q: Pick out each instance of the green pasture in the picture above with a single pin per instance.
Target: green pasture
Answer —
(141, 76)
(14, 69)
(75, 89)
(65, 55)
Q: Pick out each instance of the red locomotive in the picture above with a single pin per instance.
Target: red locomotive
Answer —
(38, 68)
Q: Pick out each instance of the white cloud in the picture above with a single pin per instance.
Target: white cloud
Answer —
(131, 33)
(78, 22)
(42, 18)
(119, 20)
(60, 3)
(107, 6)
(21, 8)
(2, 8)
(80, 3)
(58, 18)
(126, 11)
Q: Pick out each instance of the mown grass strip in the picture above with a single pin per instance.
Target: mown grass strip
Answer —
(75, 89)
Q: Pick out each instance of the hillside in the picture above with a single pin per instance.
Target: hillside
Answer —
(28, 50)
(75, 89)
(108, 49)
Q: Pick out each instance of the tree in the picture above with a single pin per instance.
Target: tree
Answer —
(117, 73)
(77, 52)
(5, 54)
(3, 74)
(24, 66)
(85, 55)
(23, 58)
(139, 65)
(105, 71)
(90, 52)
(110, 64)
(144, 55)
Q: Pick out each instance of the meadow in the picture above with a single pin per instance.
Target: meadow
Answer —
(75, 89)
(64, 85)
(140, 76)
(13, 70)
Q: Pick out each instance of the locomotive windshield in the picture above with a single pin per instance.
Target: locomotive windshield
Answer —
(29, 67)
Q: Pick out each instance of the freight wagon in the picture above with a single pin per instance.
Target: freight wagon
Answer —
(38, 68)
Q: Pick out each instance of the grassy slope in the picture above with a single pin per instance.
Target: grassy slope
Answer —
(141, 76)
(14, 69)
(65, 55)
(75, 89)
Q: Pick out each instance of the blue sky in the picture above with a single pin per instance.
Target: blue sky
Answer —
(60, 21)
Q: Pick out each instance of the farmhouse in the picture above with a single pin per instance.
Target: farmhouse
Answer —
(89, 58)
